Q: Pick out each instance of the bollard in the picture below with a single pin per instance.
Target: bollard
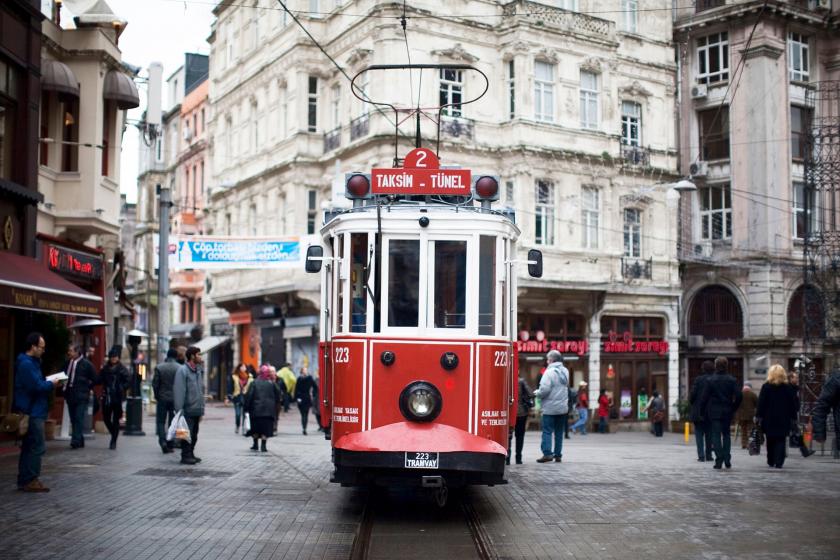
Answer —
(686, 431)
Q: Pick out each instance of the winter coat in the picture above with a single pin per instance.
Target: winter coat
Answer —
(696, 414)
(526, 399)
(239, 391)
(164, 381)
(776, 409)
(721, 397)
(829, 399)
(746, 412)
(288, 378)
(603, 406)
(84, 377)
(553, 391)
(115, 381)
(304, 387)
(261, 399)
(583, 399)
(189, 390)
(32, 391)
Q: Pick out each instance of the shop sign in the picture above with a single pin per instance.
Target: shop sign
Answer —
(626, 406)
(214, 253)
(239, 317)
(626, 345)
(74, 263)
(579, 347)
(421, 175)
(35, 300)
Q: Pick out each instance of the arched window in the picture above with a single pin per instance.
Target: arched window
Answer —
(806, 318)
(716, 314)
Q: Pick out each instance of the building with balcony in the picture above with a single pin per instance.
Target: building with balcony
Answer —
(746, 70)
(577, 121)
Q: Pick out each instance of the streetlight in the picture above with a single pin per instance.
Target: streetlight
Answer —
(134, 403)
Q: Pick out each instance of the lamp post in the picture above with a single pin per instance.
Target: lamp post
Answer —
(134, 403)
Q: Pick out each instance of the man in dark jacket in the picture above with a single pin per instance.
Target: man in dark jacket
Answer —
(115, 379)
(163, 385)
(31, 394)
(721, 398)
(80, 377)
(305, 389)
(828, 401)
(188, 397)
(702, 434)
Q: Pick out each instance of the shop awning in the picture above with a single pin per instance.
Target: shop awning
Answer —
(57, 76)
(120, 88)
(209, 342)
(182, 329)
(27, 284)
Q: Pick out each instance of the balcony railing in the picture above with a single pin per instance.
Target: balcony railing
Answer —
(635, 155)
(359, 127)
(457, 127)
(332, 139)
(635, 269)
(570, 21)
(703, 5)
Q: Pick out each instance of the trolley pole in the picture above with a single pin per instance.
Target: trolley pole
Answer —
(163, 274)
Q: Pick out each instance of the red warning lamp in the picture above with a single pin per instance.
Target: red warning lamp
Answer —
(486, 187)
(357, 186)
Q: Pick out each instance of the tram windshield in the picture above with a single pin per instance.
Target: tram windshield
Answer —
(403, 283)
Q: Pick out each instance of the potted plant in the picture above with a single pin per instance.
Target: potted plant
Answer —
(683, 408)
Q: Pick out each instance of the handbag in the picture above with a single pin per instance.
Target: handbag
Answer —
(755, 440)
(16, 423)
(659, 416)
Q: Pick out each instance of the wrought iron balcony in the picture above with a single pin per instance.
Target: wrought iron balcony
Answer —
(457, 127)
(332, 139)
(635, 269)
(359, 127)
(558, 18)
(635, 155)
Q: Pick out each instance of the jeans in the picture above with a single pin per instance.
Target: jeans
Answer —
(31, 450)
(76, 410)
(237, 409)
(581, 423)
(519, 432)
(187, 449)
(721, 440)
(556, 424)
(164, 412)
(602, 424)
(304, 416)
(703, 439)
(111, 416)
(776, 450)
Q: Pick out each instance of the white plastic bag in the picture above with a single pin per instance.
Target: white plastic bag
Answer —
(246, 426)
(179, 429)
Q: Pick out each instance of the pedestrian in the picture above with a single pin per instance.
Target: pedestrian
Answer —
(828, 402)
(796, 439)
(114, 379)
(702, 430)
(163, 386)
(80, 378)
(260, 403)
(523, 407)
(281, 386)
(745, 414)
(316, 405)
(582, 408)
(604, 404)
(656, 412)
(189, 400)
(242, 381)
(31, 397)
(775, 413)
(553, 393)
(721, 398)
(304, 392)
(572, 417)
(289, 379)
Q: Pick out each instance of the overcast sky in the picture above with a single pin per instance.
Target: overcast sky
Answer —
(157, 30)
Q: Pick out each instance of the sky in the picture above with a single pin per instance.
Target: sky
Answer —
(157, 31)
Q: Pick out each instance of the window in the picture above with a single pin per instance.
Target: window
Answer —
(632, 232)
(631, 123)
(568, 4)
(159, 149)
(195, 125)
(312, 113)
(589, 217)
(716, 212)
(201, 170)
(486, 285)
(403, 282)
(185, 193)
(511, 89)
(800, 118)
(713, 58)
(451, 91)
(630, 8)
(228, 141)
(8, 108)
(358, 270)
(194, 187)
(509, 193)
(544, 91)
(361, 90)
(70, 136)
(805, 212)
(252, 220)
(227, 224)
(311, 210)
(231, 51)
(255, 126)
(716, 314)
(336, 106)
(544, 214)
(714, 133)
(588, 100)
(450, 277)
(314, 8)
(203, 120)
(798, 64)
(109, 111)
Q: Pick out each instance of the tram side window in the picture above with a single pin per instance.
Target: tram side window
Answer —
(486, 285)
(450, 284)
(403, 282)
(358, 273)
(339, 306)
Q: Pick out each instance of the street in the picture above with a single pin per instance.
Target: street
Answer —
(614, 496)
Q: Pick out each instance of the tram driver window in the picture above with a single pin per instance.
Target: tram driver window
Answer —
(403, 282)
(358, 277)
(486, 285)
(450, 284)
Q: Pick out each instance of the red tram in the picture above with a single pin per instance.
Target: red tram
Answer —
(418, 316)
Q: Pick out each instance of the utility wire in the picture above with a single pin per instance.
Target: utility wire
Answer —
(408, 53)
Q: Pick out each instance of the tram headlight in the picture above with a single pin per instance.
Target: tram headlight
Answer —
(420, 402)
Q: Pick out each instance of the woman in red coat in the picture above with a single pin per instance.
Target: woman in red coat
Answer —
(603, 411)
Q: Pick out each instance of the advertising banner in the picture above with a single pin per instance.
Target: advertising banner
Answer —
(215, 253)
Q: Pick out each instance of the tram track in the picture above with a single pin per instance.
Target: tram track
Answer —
(390, 527)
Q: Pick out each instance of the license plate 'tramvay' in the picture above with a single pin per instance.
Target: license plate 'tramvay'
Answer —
(421, 460)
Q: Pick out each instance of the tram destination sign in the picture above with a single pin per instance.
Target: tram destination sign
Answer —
(421, 175)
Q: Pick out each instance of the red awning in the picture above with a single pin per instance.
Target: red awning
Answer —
(27, 284)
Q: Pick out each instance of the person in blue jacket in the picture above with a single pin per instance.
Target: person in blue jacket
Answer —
(31, 394)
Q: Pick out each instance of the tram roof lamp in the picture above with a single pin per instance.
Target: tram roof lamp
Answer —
(357, 186)
(486, 187)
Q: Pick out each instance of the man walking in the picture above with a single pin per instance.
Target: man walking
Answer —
(163, 385)
(721, 398)
(828, 401)
(31, 394)
(188, 397)
(80, 377)
(553, 393)
(702, 432)
(746, 413)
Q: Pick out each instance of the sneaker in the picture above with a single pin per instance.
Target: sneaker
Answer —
(545, 459)
(188, 461)
(35, 485)
(558, 459)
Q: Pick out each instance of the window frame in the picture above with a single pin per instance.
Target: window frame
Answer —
(799, 44)
(590, 216)
(448, 90)
(703, 48)
(312, 104)
(544, 91)
(628, 124)
(630, 21)
(709, 140)
(632, 232)
(589, 102)
(544, 217)
(809, 214)
(708, 213)
(511, 88)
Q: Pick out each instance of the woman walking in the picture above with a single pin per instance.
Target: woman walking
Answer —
(523, 408)
(582, 408)
(261, 404)
(305, 390)
(241, 383)
(656, 409)
(114, 379)
(603, 411)
(775, 414)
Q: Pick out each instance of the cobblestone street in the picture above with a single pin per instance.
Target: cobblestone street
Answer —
(615, 496)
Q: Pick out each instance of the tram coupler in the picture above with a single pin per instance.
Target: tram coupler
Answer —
(432, 482)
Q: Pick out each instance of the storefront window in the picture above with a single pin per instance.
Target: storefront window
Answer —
(403, 282)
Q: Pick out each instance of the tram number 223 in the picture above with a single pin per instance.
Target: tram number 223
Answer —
(342, 354)
(500, 358)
